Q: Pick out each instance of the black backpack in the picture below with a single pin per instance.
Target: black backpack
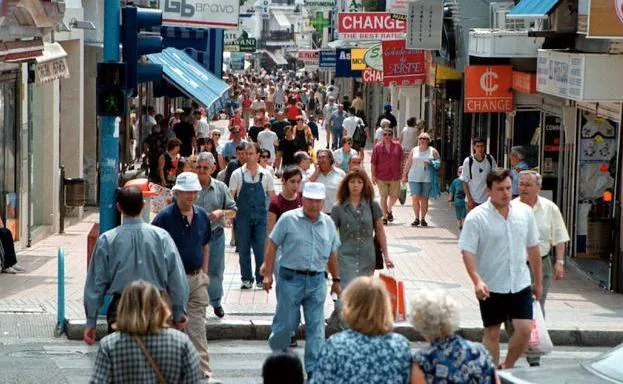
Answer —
(471, 162)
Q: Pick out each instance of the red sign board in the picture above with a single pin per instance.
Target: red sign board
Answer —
(370, 26)
(404, 67)
(372, 76)
(524, 82)
(488, 88)
(308, 56)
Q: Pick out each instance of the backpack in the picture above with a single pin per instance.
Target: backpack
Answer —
(471, 162)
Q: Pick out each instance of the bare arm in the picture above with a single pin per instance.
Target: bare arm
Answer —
(379, 230)
(268, 265)
(408, 165)
(482, 291)
(559, 267)
(468, 194)
(333, 268)
(534, 257)
(373, 173)
(163, 181)
(271, 220)
(417, 376)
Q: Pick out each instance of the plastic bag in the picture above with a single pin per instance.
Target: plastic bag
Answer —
(396, 291)
(540, 343)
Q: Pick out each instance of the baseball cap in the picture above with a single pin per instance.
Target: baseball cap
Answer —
(388, 106)
(187, 182)
(315, 191)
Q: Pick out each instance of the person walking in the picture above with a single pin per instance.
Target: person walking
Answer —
(387, 114)
(216, 200)
(250, 185)
(495, 239)
(336, 122)
(476, 167)
(134, 250)
(328, 175)
(267, 139)
(303, 134)
(144, 349)
(418, 173)
(230, 147)
(342, 155)
(449, 358)
(288, 199)
(517, 158)
(408, 137)
(189, 226)
(308, 243)
(385, 162)
(327, 111)
(552, 235)
(368, 351)
(457, 198)
(167, 163)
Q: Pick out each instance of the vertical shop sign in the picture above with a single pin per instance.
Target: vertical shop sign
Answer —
(424, 23)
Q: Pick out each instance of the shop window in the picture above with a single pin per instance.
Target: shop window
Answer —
(9, 197)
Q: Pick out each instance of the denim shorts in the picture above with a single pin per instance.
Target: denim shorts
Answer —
(419, 189)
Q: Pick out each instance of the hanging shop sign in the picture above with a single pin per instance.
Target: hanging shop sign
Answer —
(308, 56)
(374, 57)
(488, 88)
(319, 4)
(425, 20)
(402, 66)
(342, 64)
(560, 74)
(198, 14)
(265, 9)
(524, 82)
(238, 41)
(327, 59)
(236, 61)
(372, 76)
(605, 19)
(357, 62)
(370, 26)
(353, 5)
(397, 6)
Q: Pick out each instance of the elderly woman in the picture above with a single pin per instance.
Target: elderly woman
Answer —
(418, 171)
(378, 134)
(368, 352)
(449, 358)
(144, 349)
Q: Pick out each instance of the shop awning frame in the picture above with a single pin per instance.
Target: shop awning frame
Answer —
(51, 64)
(192, 79)
(282, 19)
(532, 9)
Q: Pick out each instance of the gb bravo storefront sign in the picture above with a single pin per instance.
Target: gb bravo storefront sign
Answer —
(200, 13)
(370, 26)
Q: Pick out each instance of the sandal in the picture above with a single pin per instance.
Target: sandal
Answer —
(423, 223)
(385, 221)
(416, 222)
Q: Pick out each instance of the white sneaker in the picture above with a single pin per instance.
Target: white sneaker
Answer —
(10, 270)
(18, 268)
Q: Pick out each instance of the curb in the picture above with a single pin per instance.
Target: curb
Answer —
(260, 330)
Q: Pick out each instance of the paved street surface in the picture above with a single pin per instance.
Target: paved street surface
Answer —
(425, 258)
(36, 361)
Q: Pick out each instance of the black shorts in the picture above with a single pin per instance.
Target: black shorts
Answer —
(499, 307)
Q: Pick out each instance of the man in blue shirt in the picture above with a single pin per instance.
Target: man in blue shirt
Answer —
(308, 243)
(337, 126)
(189, 226)
(132, 251)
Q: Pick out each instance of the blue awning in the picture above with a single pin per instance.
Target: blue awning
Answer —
(538, 9)
(192, 79)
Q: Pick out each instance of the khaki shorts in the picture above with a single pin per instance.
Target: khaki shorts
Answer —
(391, 188)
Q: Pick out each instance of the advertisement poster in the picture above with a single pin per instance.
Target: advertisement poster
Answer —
(236, 61)
(402, 66)
(342, 64)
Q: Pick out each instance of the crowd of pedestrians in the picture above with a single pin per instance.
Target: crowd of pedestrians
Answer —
(325, 223)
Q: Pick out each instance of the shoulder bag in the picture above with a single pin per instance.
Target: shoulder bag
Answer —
(378, 252)
(150, 360)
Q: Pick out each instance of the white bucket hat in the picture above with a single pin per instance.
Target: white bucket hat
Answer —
(315, 191)
(187, 182)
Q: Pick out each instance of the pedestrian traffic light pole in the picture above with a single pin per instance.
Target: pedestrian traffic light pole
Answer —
(109, 126)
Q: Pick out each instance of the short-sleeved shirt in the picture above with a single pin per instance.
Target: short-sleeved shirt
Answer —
(350, 124)
(229, 149)
(342, 159)
(408, 138)
(280, 205)
(500, 245)
(189, 238)
(351, 357)
(552, 229)
(266, 139)
(387, 163)
(288, 148)
(455, 360)
(216, 196)
(456, 190)
(305, 245)
(477, 178)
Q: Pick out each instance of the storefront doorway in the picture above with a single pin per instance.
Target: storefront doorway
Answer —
(9, 197)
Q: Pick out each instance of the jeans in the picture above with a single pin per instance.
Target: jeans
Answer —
(250, 234)
(336, 142)
(293, 291)
(216, 268)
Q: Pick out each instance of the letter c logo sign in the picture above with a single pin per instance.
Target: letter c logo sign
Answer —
(488, 81)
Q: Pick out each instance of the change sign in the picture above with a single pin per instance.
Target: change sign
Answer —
(200, 13)
(370, 26)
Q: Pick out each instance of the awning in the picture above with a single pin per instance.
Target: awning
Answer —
(276, 57)
(20, 50)
(282, 19)
(538, 9)
(52, 64)
(192, 79)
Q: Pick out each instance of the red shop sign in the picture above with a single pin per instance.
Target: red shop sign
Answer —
(372, 76)
(524, 82)
(488, 88)
(404, 67)
(370, 26)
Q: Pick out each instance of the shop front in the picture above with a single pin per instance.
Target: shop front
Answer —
(580, 156)
(9, 151)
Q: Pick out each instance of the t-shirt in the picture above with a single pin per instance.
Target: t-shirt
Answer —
(278, 126)
(253, 132)
(288, 148)
(280, 205)
(266, 140)
(477, 178)
(456, 190)
(203, 128)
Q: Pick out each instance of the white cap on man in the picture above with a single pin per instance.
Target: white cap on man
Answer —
(314, 191)
(187, 182)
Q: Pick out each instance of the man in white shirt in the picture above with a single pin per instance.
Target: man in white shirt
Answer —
(267, 139)
(251, 186)
(327, 174)
(552, 233)
(495, 239)
(476, 167)
(350, 123)
(202, 128)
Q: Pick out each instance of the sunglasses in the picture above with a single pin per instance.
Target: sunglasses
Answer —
(216, 134)
(265, 157)
(202, 167)
(388, 134)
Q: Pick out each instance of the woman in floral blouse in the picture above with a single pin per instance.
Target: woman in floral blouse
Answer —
(449, 358)
(368, 352)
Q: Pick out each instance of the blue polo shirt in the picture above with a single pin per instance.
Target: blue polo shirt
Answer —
(189, 238)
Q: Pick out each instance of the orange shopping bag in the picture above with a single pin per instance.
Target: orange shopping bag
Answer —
(396, 289)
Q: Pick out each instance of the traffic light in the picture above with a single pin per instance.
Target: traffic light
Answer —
(137, 43)
(111, 96)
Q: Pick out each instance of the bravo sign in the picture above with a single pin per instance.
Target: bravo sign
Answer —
(200, 13)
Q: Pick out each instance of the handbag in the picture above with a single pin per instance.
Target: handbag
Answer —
(396, 290)
(150, 360)
(378, 252)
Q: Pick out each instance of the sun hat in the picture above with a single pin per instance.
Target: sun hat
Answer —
(187, 182)
(315, 191)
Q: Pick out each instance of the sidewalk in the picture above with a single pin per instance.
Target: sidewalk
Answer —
(578, 311)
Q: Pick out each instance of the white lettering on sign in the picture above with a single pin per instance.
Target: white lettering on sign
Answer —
(370, 26)
(489, 105)
(216, 13)
(370, 75)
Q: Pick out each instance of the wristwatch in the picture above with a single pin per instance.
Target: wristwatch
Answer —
(336, 280)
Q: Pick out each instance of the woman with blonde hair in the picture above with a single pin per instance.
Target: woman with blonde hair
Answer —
(449, 358)
(369, 352)
(144, 349)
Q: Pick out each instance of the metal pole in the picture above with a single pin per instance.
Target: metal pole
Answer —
(61, 224)
(109, 126)
(60, 303)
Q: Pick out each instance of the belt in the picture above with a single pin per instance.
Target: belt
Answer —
(306, 273)
(194, 273)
